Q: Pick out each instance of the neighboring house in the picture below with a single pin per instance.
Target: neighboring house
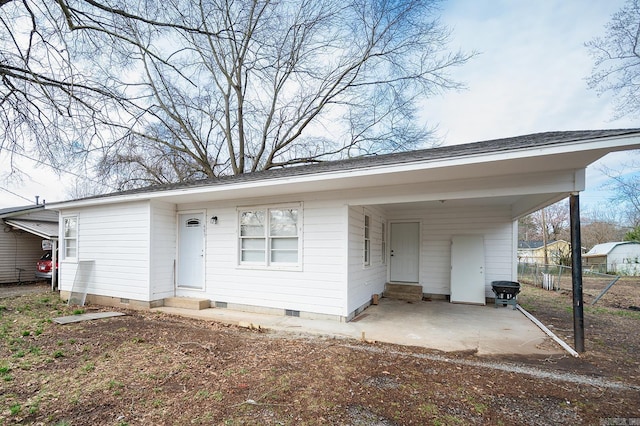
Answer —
(533, 252)
(24, 228)
(321, 240)
(620, 258)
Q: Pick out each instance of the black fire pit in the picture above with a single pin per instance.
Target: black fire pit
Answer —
(506, 292)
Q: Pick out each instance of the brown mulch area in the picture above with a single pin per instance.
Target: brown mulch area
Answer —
(151, 368)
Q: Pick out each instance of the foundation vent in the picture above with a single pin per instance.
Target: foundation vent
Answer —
(291, 313)
(221, 304)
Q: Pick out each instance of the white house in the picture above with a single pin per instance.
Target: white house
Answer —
(23, 230)
(620, 258)
(321, 240)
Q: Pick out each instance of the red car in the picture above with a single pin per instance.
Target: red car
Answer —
(43, 266)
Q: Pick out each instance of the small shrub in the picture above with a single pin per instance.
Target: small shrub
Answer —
(58, 354)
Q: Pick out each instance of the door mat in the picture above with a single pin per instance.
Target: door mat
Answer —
(86, 317)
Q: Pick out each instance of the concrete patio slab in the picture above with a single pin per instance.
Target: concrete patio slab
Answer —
(431, 324)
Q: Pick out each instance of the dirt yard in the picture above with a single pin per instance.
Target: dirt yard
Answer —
(150, 368)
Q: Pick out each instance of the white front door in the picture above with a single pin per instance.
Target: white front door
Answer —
(467, 269)
(404, 255)
(190, 250)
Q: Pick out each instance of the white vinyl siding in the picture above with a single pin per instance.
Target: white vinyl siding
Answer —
(364, 282)
(318, 285)
(439, 225)
(116, 239)
(163, 249)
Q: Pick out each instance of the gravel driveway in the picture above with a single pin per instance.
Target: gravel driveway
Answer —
(13, 290)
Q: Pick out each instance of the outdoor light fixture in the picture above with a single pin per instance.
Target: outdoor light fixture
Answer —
(214, 220)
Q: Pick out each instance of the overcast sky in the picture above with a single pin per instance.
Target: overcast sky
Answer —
(529, 77)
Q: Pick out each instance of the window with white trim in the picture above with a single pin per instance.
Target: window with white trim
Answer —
(367, 240)
(270, 237)
(70, 238)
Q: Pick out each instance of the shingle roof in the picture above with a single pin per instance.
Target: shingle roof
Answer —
(530, 244)
(363, 162)
(12, 211)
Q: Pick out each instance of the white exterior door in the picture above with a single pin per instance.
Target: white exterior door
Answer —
(404, 255)
(190, 250)
(467, 269)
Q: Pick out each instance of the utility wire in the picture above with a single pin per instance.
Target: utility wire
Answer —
(17, 195)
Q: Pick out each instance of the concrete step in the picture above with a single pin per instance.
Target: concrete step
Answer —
(408, 292)
(187, 303)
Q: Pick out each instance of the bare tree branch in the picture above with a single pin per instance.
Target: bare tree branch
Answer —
(616, 58)
(171, 91)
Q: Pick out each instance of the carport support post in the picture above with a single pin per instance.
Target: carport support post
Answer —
(54, 262)
(576, 272)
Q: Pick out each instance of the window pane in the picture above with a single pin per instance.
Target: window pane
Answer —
(366, 226)
(252, 223)
(288, 256)
(284, 244)
(253, 244)
(367, 252)
(70, 248)
(284, 250)
(70, 227)
(253, 250)
(253, 256)
(283, 222)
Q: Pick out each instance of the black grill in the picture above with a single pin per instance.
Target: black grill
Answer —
(506, 292)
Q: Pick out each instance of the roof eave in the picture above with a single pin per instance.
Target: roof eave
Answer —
(600, 146)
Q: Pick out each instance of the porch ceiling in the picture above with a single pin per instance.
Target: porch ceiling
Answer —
(520, 205)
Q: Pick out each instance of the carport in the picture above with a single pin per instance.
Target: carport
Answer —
(37, 221)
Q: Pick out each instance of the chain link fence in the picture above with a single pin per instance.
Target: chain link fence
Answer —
(558, 277)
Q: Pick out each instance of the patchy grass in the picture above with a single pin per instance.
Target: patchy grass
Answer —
(147, 368)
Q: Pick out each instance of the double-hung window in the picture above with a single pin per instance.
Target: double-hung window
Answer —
(367, 240)
(70, 238)
(270, 236)
(383, 245)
